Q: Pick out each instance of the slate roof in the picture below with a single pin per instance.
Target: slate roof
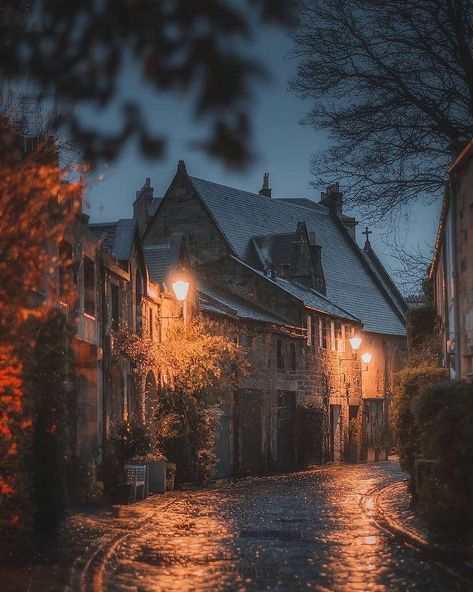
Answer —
(351, 285)
(383, 276)
(158, 259)
(105, 233)
(315, 300)
(216, 300)
(117, 237)
(305, 202)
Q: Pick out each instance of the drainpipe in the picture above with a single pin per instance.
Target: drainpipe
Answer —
(456, 311)
(105, 349)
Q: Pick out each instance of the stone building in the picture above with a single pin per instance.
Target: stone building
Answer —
(451, 269)
(290, 274)
(113, 294)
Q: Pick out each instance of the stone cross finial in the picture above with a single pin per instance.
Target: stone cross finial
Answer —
(367, 233)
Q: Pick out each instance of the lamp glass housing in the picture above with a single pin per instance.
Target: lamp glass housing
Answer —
(355, 342)
(366, 357)
(180, 288)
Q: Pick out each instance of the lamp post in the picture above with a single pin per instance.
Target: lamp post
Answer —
(366, 357)
(180, 287)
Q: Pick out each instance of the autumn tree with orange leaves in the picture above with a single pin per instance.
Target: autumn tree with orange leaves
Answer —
(36, 205)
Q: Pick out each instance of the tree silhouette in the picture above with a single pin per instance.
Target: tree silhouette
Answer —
(392, 83)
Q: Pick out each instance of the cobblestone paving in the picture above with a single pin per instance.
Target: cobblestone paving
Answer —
(297, 532)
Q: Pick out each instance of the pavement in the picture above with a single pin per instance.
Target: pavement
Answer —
(324, 529)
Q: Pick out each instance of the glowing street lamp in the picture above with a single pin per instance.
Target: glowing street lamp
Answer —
(180, 288)
(355, 342)
(366, 358)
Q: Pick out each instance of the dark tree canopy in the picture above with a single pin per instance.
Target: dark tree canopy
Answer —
(392, 83)
(74, 51)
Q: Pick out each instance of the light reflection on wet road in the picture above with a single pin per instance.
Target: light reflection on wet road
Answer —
(296, 532)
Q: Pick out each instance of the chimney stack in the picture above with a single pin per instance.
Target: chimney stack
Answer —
(333, 199)
(265, 191)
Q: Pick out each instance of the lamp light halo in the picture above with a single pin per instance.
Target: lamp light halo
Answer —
(366, 357)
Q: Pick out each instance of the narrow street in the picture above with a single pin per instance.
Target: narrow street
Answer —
(311, 530)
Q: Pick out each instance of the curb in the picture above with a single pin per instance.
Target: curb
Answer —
(437, 550)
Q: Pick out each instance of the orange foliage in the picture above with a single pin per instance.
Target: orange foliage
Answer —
(197, 357)
(36, 205)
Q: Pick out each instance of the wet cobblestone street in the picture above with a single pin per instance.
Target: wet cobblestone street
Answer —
(303, 531)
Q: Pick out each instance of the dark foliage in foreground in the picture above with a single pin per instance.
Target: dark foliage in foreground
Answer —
(444, 414)
(74, 51)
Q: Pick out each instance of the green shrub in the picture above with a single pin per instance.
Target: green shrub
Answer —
(195, 428)
(128, 439)
(423, 340)
(443, 414)
(411, 382)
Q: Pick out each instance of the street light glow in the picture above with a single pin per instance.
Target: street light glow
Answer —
(180, 287)
(355, 342)
(366, 358)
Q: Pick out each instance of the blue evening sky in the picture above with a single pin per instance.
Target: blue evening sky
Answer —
(283, 146)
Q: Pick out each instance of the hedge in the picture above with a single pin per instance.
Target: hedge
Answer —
(411, 382)
(443, 414)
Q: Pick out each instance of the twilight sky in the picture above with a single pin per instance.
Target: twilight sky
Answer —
(284, 149)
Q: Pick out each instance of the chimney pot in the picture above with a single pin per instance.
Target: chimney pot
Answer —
(265, 190)
(333, 199)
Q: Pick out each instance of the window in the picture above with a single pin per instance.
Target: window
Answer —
(323, 333)
(114, 306)
(245, 340)
(279, 355)
(139, 296)
(340, 336)
(150, 320)
(343, 338)
(65, 269)
(292, 356)
(333, 343)
(314, 337)
(89, 286)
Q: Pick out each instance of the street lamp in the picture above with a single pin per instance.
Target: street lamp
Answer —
(366, 359)
(180, 288)
(355, 342)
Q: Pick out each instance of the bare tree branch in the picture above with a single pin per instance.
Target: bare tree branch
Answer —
(392, 82)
